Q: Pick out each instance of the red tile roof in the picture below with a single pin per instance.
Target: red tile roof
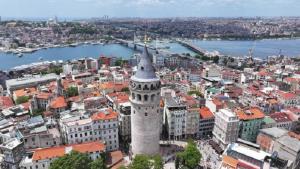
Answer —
(58, 102)
(217, 102)
(280, 117)
(43, 95)
(232, 162)
(25, 92)
(205, 113)
(286, 95)
(107, 115)
(119, 97)
(5, 102)
(111, 85)
(250, 114)
(114, 159)
(291, 80)
(54, 152)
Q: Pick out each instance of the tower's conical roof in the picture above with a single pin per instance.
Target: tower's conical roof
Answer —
(145, 69)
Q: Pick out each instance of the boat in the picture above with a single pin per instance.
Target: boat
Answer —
(19, 55)
(40, 58)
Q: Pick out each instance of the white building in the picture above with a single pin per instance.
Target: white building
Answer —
(41, 137)
(42, 158)
(175, 118)
(105, 128)
(124, 110)
(77, 131)
(85, 77)
(145, 108)
(226, 127)
(158, 60)
(102, 126)
(12, 151)
(29, 81)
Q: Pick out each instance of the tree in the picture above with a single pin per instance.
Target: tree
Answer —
(122, 167)
(146, 162)
(37, 112)
(157, 162)
(197, 93)
(216, 59)
(119, 62)
(189, 158)
(72, 91)
(74, 160)
(56, 70)
(140, 162)
(125, 89)
(98, 164)
(22, 99)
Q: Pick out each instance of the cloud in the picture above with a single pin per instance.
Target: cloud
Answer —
(161, 8)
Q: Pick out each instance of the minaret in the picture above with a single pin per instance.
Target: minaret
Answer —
(145, 114)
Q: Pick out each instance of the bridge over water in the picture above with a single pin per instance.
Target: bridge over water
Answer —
(192, 47)
(133, 44)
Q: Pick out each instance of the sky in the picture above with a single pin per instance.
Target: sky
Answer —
(147, 8)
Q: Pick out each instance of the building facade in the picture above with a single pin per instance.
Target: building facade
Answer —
(226, 127)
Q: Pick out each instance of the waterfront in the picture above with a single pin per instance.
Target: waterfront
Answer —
(262, 49)
(9, 60)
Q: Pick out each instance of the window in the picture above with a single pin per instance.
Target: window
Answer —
(152, 87)
(146, 87)
(145, 97)
(142, 68)
(152, 97)
(146, 114)
(139, 97)
(133, 96)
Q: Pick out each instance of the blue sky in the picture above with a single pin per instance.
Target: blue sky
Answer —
(148, 8)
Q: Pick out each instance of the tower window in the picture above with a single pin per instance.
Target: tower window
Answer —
(145, 97)
(146, 87)
(142, 68)
(146, 114)
(152, 87)
(152, 97)
(139, 97)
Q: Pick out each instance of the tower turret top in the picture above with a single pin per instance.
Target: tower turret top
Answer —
(145, 69)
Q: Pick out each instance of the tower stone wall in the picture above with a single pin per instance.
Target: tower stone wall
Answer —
(145, 113)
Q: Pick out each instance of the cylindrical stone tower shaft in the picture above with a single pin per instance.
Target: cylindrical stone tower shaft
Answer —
(145, 114)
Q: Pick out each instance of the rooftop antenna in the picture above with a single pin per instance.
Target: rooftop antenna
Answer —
(145, 38)
(134, 38)
(156, 42)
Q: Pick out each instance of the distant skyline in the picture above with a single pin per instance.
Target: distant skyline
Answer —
(147, 8)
